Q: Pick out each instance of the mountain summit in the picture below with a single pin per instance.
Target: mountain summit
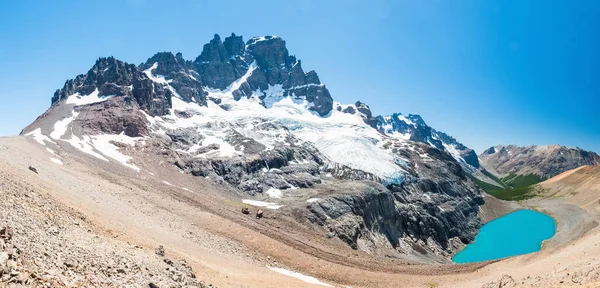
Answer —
(247, 117)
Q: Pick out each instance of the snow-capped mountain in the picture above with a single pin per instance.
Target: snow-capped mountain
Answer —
(248, 116)
(412, 127)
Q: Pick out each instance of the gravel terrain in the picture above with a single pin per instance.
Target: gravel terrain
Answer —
(87, 223)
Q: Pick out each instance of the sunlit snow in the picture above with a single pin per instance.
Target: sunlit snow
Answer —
(307, 279)
(60, 127)
(92, 98)
(39, 137)
(158, 78)
(344, 138)
(103, 144)
(257, 203)
(57, 161)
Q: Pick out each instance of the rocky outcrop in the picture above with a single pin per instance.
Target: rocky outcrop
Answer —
(275, 67)
(111, 77)
(414, 128)
(438, 204)
(361, 109)
(218, 66)
(184, 80)
(280, 168)
(543, 161)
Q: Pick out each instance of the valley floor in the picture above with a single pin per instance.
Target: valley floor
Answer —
(77, 224)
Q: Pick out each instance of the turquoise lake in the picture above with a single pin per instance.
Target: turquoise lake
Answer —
(516, 233)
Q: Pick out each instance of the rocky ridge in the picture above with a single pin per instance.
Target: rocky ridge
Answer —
(414, 128)
(543, 161)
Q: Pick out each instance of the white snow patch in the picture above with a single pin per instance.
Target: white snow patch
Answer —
(50, 150)
(91, 98)
(253, 40)
(39, 137)
(312, 200)
(165, 182)
(103, 144)
(60, 127)
(55, 160)
(257, 203)
(225, 149)
(83, 144)
(406, 120)
(307, 279)
(274, 193)
(159, 78)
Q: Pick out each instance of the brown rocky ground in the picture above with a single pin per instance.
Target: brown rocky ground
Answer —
(91, 223)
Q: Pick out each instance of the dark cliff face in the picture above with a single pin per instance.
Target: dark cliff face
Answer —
(113, 77)
(220, 64)
(180, 74)
(439, 202)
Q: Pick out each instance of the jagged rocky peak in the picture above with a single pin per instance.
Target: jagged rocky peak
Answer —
(166, 63)
(177, 73)
(220, 64)
(112, 77)
(261, 67)
(105, 70)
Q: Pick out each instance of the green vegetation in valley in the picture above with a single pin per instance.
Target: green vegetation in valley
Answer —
(520, 181)
(509, 193)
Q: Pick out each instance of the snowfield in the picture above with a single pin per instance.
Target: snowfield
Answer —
(343, 138)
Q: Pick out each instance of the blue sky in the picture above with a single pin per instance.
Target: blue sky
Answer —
(486, 72)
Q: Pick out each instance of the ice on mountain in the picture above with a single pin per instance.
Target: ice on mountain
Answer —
(91, 98)
(55, 160)
(273, 94)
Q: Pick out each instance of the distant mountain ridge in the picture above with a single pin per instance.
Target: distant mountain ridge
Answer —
(544, 161)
